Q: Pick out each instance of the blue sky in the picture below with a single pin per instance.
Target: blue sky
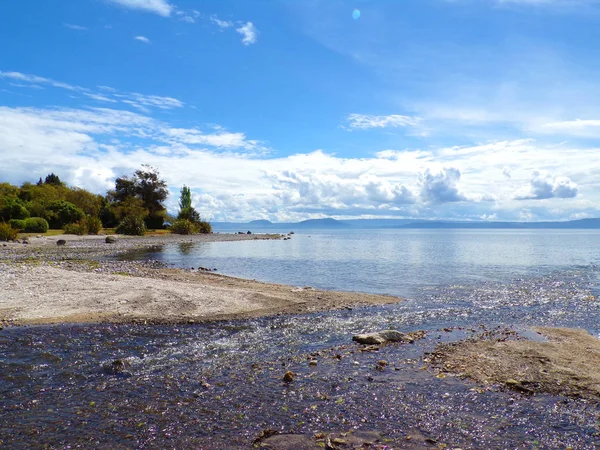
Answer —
(287, 110)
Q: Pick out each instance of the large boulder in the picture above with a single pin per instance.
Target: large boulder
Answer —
(381, 337)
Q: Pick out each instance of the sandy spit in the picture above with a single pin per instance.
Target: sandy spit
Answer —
(43, 284)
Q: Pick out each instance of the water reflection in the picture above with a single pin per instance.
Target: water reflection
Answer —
(186, 248)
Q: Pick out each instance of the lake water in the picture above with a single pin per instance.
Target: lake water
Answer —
(218, 385)
(395, 262)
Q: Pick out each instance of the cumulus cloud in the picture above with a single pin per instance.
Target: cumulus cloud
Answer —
(334, 192)
(544, 186)
(364, 122)
(440, 186)
(249, 33)
(160, 7)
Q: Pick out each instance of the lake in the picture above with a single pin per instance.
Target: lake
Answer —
(395, 262)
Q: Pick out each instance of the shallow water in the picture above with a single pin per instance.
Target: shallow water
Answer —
(218, 385)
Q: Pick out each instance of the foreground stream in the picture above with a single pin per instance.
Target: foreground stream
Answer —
(219, 385)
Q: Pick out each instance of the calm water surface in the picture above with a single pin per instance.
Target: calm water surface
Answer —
(395, 262)
(217, 386)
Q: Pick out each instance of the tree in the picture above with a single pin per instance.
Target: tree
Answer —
(186, 210)
(61, 213)
(186, 198)
(12, 208)
(53, 179)
(145, 185)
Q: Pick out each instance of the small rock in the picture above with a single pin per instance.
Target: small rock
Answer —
(110, 239)
(249, 232)
(61, 242)
(312, 362)
(288, 377)
(382, 337)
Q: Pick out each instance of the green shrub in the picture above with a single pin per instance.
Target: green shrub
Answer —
(132, 226)
(7, 233)
(35, 225)
(17, 224)
(61, 213)
(79, 228)
(93, 224)
(13, 208)
(204, 227)
(184, 226)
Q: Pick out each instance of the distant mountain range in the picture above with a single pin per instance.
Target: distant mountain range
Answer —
(329, 224)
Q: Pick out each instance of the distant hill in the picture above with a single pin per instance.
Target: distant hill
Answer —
(261, 223)
(365, 224)
(321, 224)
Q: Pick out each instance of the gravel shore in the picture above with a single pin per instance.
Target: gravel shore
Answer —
(42, 283)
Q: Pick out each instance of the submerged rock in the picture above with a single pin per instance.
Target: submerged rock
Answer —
(382, 337)
(288, 377)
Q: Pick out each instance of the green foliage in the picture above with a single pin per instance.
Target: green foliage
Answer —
(132, 226)
(17, 224)
(190, 214)
(53, 179)
(204, 227)
(185, 200)
(144, 185)
(31, 225)
(93, 224)
(62, 212)
(89, 203)
(184, 226)
(78, 228)
(13, 208)
(7, 233)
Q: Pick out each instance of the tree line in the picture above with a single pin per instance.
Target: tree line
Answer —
(135, 205)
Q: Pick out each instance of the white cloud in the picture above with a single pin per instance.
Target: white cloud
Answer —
(544, 186)
(249, 33)
(364, 122)
(100, 98)
(223, 24)
(506, 171)
(440, 186)
(74, 27)
(160, 7)
(143, 39)
(109, 94)
(578, 127)
(34, 79)
(232, 180)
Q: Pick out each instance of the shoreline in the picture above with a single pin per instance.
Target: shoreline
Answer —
(41, 283)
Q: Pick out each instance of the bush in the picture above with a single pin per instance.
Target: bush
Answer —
(7, 233)
(93, 224)
(204, 227)
(35, 225)
(61, 213)
(17, 224)
(13, 208)
(132, 226)
(184, 226)
(79, 228)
